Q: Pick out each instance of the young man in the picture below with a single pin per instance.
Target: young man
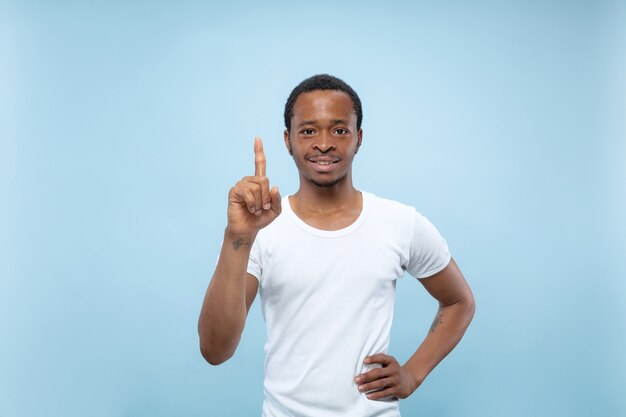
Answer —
(325, 261)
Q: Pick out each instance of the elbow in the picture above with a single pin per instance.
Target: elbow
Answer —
(216, 348)
(470, 309)
(213, 356)
(464, 306)
(214, 360)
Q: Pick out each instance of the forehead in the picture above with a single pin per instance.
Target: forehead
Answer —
(324, 104)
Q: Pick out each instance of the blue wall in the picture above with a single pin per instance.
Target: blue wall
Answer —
(124, 124)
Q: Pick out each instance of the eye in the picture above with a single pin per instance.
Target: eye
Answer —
(307, 132)
(341, 131)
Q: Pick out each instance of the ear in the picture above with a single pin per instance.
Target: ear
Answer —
(359, 140)
(287, 142)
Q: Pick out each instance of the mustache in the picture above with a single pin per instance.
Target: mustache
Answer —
(323, 156)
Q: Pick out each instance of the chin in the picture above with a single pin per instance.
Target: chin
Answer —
(326, 184)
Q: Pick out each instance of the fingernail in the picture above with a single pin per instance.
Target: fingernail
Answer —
(267, 206)
(361, 387)
(357, 379)
(258, 212)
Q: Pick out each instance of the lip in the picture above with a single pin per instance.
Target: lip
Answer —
(323, 164)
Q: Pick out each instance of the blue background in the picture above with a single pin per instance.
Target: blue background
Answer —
(124, 124)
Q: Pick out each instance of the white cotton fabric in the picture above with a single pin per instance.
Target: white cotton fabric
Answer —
(327, 298)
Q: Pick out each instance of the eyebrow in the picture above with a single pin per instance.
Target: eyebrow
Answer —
(306, 122)
(332, 122)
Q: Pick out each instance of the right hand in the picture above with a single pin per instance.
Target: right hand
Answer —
(251, 203)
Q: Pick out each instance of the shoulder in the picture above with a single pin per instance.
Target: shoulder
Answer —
(395, 215)
(380, 205)
(388, 216)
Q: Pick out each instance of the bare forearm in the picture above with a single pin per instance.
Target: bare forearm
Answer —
(252, 205)
(224, 310)
(445, 333)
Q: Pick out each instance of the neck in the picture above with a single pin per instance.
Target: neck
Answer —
(311, 197)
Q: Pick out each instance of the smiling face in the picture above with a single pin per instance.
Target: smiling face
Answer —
(324, 137)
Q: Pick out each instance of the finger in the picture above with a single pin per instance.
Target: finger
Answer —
(259, 158)
(258, 197)
(372, 375)
(378, 395)
(276, 200)
(264, 184)
(379, 358)
(266, 198)
(244, 194)
(253, 196)
(377, 384)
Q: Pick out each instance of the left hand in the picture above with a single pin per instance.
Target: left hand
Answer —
(391, 380)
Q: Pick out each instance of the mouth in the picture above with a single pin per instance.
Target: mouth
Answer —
(323, 163)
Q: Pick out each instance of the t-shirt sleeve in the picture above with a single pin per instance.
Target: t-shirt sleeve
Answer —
(428, 252)
(254, 261)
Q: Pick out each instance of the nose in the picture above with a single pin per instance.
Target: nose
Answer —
(325, 142)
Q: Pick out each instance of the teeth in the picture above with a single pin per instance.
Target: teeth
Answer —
(323, 162)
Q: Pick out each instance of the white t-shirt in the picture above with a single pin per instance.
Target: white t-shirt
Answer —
(327, 298)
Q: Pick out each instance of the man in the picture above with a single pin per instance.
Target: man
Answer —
(325, 261)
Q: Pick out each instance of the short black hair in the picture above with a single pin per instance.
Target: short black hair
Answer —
(322, 82)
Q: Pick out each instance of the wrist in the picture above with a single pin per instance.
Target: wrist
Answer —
(416, 376)
(243, 238)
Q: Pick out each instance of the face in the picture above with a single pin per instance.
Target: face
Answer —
(324, 138)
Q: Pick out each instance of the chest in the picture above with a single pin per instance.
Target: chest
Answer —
(308, 267)
(331, 221)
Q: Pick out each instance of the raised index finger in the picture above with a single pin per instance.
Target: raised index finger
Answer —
(259, 158)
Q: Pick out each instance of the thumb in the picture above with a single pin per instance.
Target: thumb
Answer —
(276, 200)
